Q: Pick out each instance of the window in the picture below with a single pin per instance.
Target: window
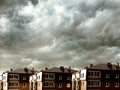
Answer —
(116, 75)
(38, 77)
(60, 77)
(4, 77)
(68, 77)
(23, 85)
(93, 74)
(13, 76)
(24, 77)
(82, 75)
(48, 84)
(68, 85)
(13, 84)
(49, 76)
(117, 84)
(107, 84)
(60, 85)
(94, 83)
(107, 75)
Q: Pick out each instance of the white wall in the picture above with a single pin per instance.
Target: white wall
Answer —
(0, 77)
(39, 76)
(76, 75)
(5, 83)
(83, 74)
(5, 77)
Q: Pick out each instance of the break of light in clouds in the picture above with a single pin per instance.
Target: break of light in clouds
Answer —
(58, 32)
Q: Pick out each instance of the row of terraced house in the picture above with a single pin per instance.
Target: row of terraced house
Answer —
(93, 77)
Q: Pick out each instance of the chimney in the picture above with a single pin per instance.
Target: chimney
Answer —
(33, 71)
(62, 68)
(91, 65)
(11, 69)
(42, 70)
(117, 66)
(86, 67)
(109, 65)
(46, 68)
(26, 70)
(69, 69)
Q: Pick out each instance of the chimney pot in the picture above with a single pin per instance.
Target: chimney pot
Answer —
(118, 63)
(69, 68)
(117, 66)
(26, 70)
(91, 65)
(33, 71)
(62, 68)
(11, 69)
(46, 68)
(109, 65)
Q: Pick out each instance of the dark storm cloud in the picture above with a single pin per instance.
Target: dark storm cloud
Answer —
(59, 32)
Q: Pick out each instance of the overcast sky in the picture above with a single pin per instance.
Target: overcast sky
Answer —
(52, 33)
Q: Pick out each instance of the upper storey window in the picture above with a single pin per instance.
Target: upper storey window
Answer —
(24, 77)
(94, 74)
(49, 76)
(107, 75)
(60, 77)
(116, 75)
(13, 76)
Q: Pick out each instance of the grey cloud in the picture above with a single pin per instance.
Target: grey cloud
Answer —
(59, 32)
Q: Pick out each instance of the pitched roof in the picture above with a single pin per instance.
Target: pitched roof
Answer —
(107, 66)
(22, 71)
(60, 70)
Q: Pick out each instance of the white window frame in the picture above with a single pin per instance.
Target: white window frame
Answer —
(13, 84)
(117, 84)
(60, 77)
(48, 84)
(68, 77)
(107, 84)
(24, 77)
(59, 85)
(24, 85)
(49, 76)
(116, 75)
(38, 77)
(95, 74)
(13, 76)
(94, 83)
(68, 85)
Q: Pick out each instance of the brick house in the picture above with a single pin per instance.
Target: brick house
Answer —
(101, 77)
(56, 78)
(16, 79)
